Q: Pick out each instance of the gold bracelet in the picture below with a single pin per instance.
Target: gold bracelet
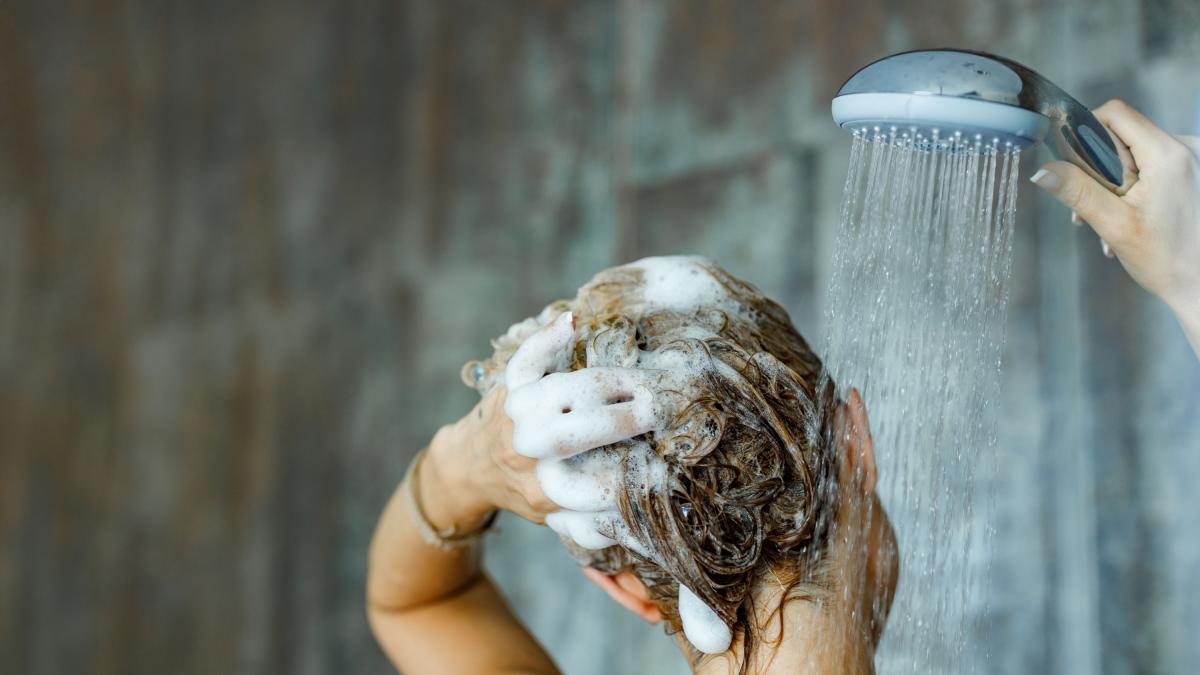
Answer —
(446, 540)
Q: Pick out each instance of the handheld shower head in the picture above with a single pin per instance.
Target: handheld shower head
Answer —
(937, 93)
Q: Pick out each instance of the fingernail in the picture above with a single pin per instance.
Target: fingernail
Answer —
(1076, 219)
(1108, 252)
(1047, 180)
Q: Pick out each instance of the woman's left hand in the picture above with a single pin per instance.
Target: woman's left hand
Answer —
(487, 461)
(474, 464)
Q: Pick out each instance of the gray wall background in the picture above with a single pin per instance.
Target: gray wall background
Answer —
(245, 247)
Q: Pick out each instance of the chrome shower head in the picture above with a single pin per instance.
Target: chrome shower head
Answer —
(936, 93)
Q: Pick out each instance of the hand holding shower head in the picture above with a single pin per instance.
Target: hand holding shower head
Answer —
(937, 92)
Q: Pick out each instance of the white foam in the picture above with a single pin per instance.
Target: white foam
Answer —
(598, 530)
(701, 625)
(583, 528)
(588, 481)
(680, 364)
(564, 414)
(680, 284)
(565, 434)
(586, 487)
(646, 468)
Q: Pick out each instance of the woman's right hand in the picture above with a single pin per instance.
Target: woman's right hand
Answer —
(1154, 229)
(490, 458)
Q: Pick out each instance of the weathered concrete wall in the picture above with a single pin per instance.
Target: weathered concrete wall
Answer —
(245, 247)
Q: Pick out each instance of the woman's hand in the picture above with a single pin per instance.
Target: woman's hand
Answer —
(1154, 229)
(474, 460)
(487, 461)
(425, 602)
(474, 464)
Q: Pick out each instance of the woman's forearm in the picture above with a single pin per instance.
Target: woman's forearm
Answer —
(432, 610)
(405, 571)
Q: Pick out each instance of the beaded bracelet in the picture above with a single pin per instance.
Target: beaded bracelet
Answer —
(446, 540)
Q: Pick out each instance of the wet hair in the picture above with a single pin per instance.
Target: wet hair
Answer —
(751, 485)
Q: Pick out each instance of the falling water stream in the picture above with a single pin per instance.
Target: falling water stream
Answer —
(916, 314)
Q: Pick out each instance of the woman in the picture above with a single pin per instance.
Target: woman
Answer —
(1154, 229)
(679, 434)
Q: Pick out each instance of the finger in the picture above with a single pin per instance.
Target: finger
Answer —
(598, 530)
(530, 515)
(1104, 211)
(586, 482)
(1144, 138)
(571, 433)
(582, 528)
(535, 497)
(591, 480)
(608, 584)
(540, 352)
(579, 390)
(701, 625)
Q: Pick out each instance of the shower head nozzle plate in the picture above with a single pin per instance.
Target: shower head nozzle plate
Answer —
(930, 117)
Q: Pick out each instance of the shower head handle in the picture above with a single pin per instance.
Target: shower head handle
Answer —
(1075, 134)
(950, 88)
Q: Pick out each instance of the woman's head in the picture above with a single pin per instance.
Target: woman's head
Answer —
(751, 480)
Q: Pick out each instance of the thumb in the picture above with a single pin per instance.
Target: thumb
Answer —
(538, 353)
(1107, 213)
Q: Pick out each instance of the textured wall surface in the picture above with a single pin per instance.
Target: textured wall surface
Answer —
(245, 247)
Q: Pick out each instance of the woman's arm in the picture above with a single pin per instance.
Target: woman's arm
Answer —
(1154, 229)
(434, 611)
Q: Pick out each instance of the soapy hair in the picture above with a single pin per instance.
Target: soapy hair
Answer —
(751, 481)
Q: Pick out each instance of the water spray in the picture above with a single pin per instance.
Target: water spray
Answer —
(917, 305)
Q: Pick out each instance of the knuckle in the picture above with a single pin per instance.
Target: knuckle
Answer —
(533, 516)
(1117, 104)
(537, 500)
(1076, 196)
(1113, 108)
(509, 459)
